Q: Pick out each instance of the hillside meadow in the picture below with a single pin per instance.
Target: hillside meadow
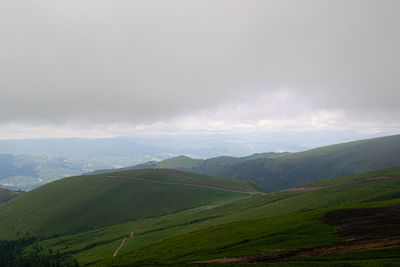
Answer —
(237, 226)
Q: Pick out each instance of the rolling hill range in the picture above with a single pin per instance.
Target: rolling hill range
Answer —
(276, 171)
(352, 220)
(187, 163)
(85, 202)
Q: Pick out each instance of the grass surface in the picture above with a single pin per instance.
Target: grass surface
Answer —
(277, 171)
(293, 169)
(82, 203)
(234, 226)
(386, 172)
(178, 162)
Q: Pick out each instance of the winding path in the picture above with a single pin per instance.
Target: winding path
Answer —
(120, 246)
(131, 234)
(200, 183)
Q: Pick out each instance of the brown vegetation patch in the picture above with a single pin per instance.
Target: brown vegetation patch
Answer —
(366, 223)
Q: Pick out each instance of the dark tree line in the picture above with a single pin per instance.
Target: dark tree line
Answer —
(13, 253)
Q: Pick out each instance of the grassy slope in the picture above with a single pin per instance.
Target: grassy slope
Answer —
(375, 258)
(187, 163)
(179, 162)
(263, 230)
(243, 184)
(256, 235)
(256, 224)
(276, 171)
(326, 162)
(377, 173)
(84, 202)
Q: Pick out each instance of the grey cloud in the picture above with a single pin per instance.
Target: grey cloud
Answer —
(144, 60)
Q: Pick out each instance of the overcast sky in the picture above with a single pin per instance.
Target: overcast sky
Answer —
(97, 68)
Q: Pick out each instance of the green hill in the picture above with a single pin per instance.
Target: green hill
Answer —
(178, 163)
(332, 222)
(285, 221)
(277, 171)
(318, 164)
(212, 165)
(182, 162)
(85, 202)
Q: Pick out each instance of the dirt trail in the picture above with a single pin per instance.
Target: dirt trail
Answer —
(131, 234)
(120, 246)
(317, 188)
(213, 184)
(216, 186)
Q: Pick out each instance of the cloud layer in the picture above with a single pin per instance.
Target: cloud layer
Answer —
(143, 62)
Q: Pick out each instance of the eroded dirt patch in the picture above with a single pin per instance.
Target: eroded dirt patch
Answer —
(366, 223)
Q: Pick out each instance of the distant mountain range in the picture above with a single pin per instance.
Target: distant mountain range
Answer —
(276, 171)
